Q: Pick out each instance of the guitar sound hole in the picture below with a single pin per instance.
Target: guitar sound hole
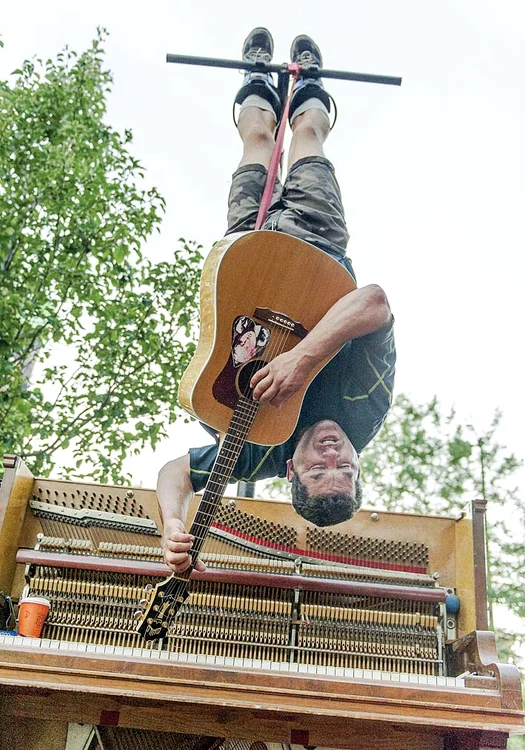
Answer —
(245, 374)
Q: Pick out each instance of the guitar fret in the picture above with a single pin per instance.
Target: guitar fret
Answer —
(231, 451)
(202, 517)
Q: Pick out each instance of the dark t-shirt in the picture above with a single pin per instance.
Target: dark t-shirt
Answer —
(354, 390)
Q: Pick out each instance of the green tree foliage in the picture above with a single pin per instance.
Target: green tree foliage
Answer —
(425, 461)
(90, 329)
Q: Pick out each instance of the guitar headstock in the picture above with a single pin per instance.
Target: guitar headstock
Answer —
(165, 600)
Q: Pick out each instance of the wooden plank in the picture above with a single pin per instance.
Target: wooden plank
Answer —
(213, 721)
(246, 578)
(480, 564)
(15, 491)
(479, 740)
(307, 699)
(464, 584)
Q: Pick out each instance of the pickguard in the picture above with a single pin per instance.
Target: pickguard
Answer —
(249, 340)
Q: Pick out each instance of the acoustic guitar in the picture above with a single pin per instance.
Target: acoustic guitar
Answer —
(261, 292)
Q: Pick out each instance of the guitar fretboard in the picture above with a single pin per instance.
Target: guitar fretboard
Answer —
(230, 449)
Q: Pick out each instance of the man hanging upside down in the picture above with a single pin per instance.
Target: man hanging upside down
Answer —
(347, 402)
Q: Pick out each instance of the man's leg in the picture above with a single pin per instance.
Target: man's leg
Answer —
(260, 110)
(310, 131)
(256, 128)
(310, 103)
(259, 100)
(311, 205)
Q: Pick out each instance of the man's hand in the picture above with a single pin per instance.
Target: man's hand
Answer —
(358, 313)
(277, 381)
(176, 544)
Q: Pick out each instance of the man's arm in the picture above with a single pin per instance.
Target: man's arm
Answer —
(356, 314)
(175, 493)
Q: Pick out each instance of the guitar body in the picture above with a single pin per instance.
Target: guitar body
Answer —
(244, 273)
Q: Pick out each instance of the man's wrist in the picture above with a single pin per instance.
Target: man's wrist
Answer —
(306, 359)
(176, 521)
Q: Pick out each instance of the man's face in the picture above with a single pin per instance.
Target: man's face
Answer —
(325, 461)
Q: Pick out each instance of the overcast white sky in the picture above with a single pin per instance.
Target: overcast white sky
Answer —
(432, 173)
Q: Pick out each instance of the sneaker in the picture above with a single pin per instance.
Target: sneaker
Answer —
(305, 52)
(258, 47)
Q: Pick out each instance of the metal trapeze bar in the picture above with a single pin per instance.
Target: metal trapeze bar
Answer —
(313, 71)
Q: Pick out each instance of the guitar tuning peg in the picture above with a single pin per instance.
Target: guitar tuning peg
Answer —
(143, 603)
(148, 588)
(138, 614)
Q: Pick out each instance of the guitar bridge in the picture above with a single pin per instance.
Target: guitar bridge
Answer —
(281, 320)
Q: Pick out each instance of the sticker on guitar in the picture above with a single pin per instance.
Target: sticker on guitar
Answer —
(249, 340)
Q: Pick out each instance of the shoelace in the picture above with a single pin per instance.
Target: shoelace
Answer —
(258, 54)
(306, 58)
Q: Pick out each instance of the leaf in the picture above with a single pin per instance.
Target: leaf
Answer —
(120, 254)
(459, 449)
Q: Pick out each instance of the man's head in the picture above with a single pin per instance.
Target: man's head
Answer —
(324, 473)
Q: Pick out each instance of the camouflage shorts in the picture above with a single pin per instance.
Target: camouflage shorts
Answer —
(308, 206)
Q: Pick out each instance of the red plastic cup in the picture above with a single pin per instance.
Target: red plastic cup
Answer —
(32, 613)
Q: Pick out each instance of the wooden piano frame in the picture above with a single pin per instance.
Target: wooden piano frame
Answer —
(41, 692)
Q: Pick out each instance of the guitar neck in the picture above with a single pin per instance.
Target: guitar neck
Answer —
(229, 451)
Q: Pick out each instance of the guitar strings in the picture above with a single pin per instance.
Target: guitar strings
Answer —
(243, 416)
(242, 420)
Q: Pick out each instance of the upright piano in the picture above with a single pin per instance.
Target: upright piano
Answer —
(369, 634)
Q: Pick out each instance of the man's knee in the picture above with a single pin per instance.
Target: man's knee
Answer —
(257, 122)
(313, 123)
(258, 133)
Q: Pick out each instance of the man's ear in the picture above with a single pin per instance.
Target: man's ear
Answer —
(289, 470)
